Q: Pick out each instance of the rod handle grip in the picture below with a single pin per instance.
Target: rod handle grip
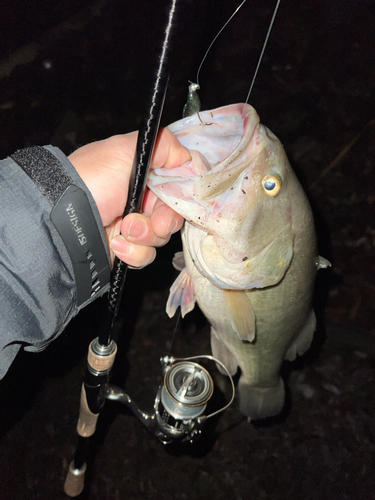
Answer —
(75, 480)
(87, 420)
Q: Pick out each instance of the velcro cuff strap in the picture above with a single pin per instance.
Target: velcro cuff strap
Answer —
(72, 217)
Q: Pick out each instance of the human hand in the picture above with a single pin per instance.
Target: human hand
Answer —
(105, 168)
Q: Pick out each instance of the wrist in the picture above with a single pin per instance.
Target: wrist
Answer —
(74, 216)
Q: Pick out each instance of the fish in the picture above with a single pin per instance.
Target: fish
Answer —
(249, 249)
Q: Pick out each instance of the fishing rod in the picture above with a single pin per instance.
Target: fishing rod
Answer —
(102, 350)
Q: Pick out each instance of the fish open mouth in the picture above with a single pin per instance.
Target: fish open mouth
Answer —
(215, 134)
(222, 143)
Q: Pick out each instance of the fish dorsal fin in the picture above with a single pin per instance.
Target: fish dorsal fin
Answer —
(241, 314)
(181, 294)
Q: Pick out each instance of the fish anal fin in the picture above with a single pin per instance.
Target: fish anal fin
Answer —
(181, 294)
(223, 354)
(241, 314)
(303, 340)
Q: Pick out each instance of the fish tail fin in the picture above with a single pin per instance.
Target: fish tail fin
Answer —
(261, 402)
(222, 353)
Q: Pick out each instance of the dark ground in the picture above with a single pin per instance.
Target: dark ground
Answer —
(74, 72)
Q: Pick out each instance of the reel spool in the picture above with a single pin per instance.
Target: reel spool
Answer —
(182, 399)
(187, 388)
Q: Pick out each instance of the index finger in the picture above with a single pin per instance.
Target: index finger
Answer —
(169, 152)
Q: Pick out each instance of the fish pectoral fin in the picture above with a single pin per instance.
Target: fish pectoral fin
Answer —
(181, 294)
(178, 261)
(241, 314)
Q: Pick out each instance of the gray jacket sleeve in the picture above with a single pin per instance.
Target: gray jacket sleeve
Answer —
(38, 275)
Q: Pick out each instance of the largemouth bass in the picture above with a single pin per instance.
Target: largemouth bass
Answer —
(249, 248)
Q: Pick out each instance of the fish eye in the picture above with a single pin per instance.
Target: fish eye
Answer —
(271, 185)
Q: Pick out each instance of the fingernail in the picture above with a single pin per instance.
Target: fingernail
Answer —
(119, 244)
(172, 225)
(137, 229)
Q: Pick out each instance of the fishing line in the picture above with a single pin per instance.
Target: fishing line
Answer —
(214, 40)
(193, 103)
(263, 49)
(175, 331)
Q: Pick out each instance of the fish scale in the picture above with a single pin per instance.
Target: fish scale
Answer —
(249, 246)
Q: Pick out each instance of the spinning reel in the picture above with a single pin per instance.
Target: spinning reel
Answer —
(179, 408)
(180, 402)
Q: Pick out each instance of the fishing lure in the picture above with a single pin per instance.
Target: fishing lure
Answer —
(193, 103)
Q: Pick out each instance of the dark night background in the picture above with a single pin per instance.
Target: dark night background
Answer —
(72, 72)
